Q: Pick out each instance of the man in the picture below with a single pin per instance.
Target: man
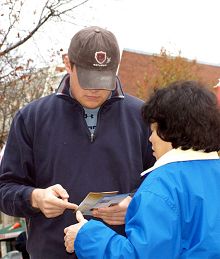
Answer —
(88, 136)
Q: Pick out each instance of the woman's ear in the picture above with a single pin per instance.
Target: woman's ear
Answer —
(66, 62)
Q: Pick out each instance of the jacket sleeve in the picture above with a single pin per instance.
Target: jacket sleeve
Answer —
(151, 228)
(16, 172)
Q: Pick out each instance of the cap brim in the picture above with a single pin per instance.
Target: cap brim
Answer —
(95, 79)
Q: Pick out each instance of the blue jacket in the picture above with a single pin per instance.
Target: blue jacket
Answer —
(49, 143)
(175, 214)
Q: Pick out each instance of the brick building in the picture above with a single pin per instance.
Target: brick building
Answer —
(134, 65)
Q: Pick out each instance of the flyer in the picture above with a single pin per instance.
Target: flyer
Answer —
(95, 200)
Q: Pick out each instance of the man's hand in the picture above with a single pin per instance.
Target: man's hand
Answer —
(52, 201)
(113, 215)
(72, 231)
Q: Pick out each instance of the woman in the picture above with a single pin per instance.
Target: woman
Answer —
(176, 211)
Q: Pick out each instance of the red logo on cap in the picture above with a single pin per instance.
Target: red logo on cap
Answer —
(100, 57)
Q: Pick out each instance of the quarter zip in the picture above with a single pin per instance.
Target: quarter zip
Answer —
(94, 134)
(63, 92)
(92, 137)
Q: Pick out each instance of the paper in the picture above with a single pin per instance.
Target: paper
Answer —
(96, 200)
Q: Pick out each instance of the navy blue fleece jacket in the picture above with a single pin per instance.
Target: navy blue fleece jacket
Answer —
(49, 143)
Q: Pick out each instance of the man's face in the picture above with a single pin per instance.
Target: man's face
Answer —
(92, 98)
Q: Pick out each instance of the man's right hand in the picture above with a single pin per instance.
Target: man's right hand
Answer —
(52, 201)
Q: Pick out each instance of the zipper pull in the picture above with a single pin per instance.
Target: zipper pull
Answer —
(92, 137)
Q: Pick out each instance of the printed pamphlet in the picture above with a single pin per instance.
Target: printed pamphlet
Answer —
(96, 200)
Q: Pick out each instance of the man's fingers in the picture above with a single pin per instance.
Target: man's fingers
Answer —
(60, 191)
(108, 214)
(111, 209)
(79, 216)
(64, 204)
(71, 206)
(108, 211)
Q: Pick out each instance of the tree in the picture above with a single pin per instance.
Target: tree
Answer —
(20, 80)
(165, 70)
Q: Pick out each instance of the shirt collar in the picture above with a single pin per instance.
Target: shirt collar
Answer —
(64, 86)
(175, 155)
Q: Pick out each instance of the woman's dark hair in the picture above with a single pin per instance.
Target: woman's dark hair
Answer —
(187, 115)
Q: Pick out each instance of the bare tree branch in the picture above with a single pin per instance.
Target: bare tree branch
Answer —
(20, 81)
(53, 12)
(12, 23)
(7, 50)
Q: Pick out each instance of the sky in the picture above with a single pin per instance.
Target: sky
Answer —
(189, 26)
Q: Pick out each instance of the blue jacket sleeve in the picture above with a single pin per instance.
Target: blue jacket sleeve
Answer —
(151, 227)
(17, 172)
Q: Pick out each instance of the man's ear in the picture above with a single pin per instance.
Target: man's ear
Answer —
(66, 62)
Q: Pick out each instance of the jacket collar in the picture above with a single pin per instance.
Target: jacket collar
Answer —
(177, 155)
(63, 89)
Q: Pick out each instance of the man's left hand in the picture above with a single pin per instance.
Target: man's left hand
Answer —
(113, 215)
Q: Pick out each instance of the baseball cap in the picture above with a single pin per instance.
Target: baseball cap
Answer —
(96, 55)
